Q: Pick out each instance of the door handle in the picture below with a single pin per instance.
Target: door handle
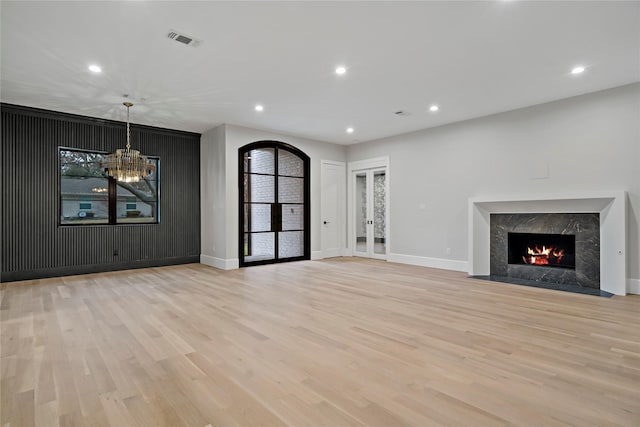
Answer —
(325, 222)
(276, 217)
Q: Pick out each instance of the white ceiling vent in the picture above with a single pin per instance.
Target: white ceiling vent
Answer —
(183, 38)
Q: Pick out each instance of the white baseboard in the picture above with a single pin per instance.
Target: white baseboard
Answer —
(320, 254)
(222, 264)
(633, 286)
(445, 264)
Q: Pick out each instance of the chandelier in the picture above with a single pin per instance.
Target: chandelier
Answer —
(127, 165)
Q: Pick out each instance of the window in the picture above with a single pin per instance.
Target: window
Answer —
(88, 196)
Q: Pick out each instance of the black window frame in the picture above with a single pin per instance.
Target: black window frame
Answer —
(112, 191)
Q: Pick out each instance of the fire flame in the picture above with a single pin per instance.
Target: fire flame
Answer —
(543, 256)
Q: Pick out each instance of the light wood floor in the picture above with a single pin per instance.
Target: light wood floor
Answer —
(314, 343)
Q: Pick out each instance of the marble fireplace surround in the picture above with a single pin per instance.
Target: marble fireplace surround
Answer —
(585, 229)
(613, 220)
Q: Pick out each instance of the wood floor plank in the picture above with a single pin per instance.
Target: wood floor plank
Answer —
(336, 342)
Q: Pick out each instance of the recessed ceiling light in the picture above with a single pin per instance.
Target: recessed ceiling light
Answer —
(434, 108)
(259, 107)
(94, 68)
(341, 70)
(577, 70)
(349, 130)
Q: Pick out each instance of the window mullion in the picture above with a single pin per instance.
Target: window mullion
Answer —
(113, 201)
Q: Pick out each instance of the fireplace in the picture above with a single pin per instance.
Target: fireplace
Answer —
(542, 249)
(601, 241)
(554, 248)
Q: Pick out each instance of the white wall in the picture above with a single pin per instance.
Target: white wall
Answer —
(219, 187)
(213, 197)
(586, 143)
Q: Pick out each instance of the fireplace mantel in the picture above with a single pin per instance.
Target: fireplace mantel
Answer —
(612, 207)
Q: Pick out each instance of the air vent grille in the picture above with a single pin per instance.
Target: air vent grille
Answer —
(183, 38)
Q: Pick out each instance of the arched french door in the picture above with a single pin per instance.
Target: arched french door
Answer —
(274, 214)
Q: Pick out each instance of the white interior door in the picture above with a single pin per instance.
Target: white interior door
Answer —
(332, 200)
(370, 213)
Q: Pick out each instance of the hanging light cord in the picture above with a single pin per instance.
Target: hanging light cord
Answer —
(128, 105)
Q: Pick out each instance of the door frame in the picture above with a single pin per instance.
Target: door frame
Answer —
(306, 201)
(360, 166)
(342, 209)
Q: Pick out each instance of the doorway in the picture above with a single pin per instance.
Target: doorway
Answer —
(273, 204)
(369, 208)
(333, 236)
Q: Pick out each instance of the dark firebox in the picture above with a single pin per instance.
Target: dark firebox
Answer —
(540, 249)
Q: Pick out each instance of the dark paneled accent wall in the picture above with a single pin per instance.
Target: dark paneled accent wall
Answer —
(35, 246)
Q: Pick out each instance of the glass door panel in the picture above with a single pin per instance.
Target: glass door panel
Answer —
(290, 244)
(261, 160)
(290, 190)
(259, 247)
(259, 188)
(292, 217)
(379, 212)
(289, 164)
(259, 218)
(362, 215)
(258, 239)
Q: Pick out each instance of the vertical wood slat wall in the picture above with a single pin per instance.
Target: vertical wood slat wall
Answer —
(35, 246)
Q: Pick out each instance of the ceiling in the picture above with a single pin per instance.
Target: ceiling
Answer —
(470, 58)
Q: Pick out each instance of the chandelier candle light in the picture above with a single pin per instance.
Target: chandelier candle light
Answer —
(127, 165)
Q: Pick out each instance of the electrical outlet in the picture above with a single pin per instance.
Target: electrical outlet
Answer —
(448, 251)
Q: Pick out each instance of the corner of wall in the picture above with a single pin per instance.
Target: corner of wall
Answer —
(213, 193)
(220, 263)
